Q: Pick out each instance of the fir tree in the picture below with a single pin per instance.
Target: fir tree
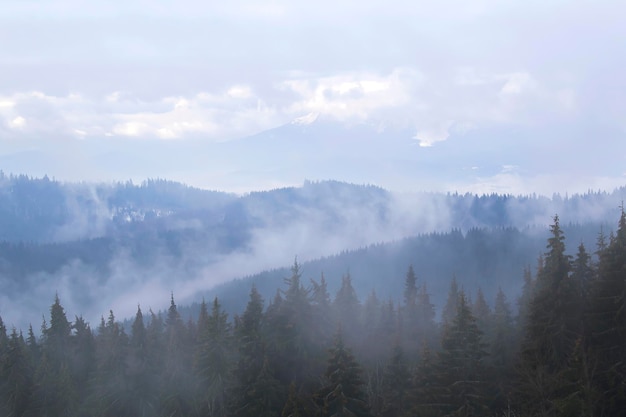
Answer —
(396, 385)
(449, 310)
(608, 321)
(460, 366)
(214, 361)
(343, 393)
(552, 329)
(347, 309)
(142, 375)
(16, 377)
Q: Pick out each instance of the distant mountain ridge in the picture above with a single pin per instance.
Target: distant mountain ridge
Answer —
(114, 241)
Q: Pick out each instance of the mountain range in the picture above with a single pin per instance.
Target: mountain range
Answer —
(320, 148)
(104, 246)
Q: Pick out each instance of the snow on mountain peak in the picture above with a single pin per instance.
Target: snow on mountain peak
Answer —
(306, 119)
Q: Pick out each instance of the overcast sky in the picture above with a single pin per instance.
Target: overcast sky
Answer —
(522, 73)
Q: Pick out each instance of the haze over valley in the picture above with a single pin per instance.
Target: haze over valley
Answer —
(312, 209)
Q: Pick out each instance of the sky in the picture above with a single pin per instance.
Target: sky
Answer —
(115, 90)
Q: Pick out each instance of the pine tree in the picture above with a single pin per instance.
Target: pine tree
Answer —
(343, 393)
(251, 356)
(424, 394)
(482, 312)
(214, 361)
(55, 391)
(503, 352)
(552, 331)
(396, 385)
(347, 309)
(265, 397)
(410, 313)
(450, 309)
(296, 405)
(177, 389)
(143, 384)
(460, 365)
(83, 358)
(16, 377)
(524, 300)
(426, 326)
(111, 395)
(608, 321)
(294, 350)
(321, 310)
(4, 339)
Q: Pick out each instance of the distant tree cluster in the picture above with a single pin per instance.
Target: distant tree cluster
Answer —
(307, 354)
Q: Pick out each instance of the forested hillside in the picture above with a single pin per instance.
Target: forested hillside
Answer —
(89, 241)
(305, 352)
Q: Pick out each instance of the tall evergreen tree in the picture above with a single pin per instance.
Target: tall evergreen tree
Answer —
(608, 321)
(214, 361)
(552, 330)
(16, 377)
(252, 359)
(410, 313)
(347, 309)
(111, 395)
(502, 342)
(460, 366)
(293, 334)
(396, 385)
(450, 309)
(343, 394)
(177, 387)
(55, 391)
(83, 358)
(426, 326)
(142, 370)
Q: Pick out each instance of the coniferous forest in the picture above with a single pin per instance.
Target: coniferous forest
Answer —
(558, 350)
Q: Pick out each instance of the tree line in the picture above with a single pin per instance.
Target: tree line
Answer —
(560, 352)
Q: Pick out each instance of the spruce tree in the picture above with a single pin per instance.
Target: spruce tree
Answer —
(214, 361)
(142, 377)
(461, 374)
(503, 343)
(608, 321)
(347, 309)
(426, 326)
(111, 395)
(252, 359)
(16, 377)
(177, 387)
(396, 385)
(55, 391)
(551, 333)
(343, 394)
(450, 309)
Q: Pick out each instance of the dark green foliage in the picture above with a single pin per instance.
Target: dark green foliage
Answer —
(347, 310)
(141, 372)
(16, 377)
(343, 393)
(460, 370)
(396, 385)
(214, 360)
(450, 309)
(176, 392)
(608, 324)
(252, 359)
(503, 340)
(563, 356)
(552, 329)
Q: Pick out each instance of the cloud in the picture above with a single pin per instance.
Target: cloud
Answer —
(194, 70)
(214, 116)
(353, 97)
